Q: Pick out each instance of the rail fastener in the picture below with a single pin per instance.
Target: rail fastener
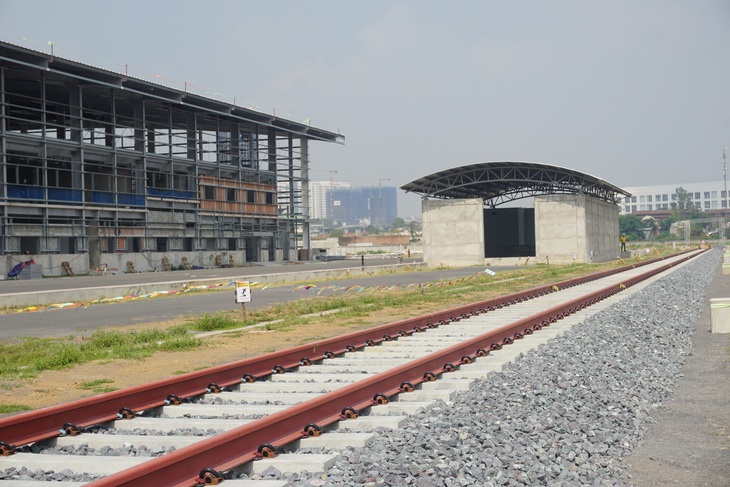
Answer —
(312, 430)
(380, 399)
(406, 387)
(214, 388)
(7, 450)
(126, 413)
(173, 400)
(267, 450)
(349, 413)
(69, 429)
(208, 476)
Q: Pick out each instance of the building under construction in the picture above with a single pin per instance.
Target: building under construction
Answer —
(369, 205)
(102, 170)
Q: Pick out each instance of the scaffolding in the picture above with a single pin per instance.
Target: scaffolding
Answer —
(96, 162)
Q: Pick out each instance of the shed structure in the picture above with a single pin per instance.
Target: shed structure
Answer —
(574, 217)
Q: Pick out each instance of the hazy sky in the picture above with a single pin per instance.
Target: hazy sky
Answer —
(636, 92)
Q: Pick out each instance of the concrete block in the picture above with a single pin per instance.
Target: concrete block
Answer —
(720, 314)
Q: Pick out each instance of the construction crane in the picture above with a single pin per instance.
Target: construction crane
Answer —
(379, 180)
(331, 171)
(380, 183)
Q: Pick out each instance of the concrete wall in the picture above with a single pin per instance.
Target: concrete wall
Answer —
(374, 240)
(453, 232)
(568, 226)
(117, 263)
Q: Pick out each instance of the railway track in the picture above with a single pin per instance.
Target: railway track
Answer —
(245, 417)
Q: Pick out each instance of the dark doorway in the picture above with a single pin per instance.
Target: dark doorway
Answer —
(509, 232)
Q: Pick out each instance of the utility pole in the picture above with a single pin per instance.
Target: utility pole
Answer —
(724, 180)
(724, 174)
(331, 209)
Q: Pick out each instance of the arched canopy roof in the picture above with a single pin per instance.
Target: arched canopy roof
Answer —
(499, 182)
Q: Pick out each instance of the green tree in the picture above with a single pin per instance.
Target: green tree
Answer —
(631, 225)
(413, 227)
(684, 209)
(399, 223)
(683, 206)
(666, 224)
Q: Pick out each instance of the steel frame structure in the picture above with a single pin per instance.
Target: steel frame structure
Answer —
(93, 160)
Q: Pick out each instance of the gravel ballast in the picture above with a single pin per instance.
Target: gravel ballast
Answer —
(565, 414)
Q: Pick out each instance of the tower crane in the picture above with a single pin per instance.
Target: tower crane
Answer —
(380, 183)
(331, 171)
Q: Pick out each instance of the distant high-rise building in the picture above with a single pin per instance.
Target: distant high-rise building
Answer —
(319, 202)
(371, 205)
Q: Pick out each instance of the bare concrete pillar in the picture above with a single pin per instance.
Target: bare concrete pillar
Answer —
(720, 315)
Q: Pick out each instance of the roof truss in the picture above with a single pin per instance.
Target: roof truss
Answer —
(499, 182)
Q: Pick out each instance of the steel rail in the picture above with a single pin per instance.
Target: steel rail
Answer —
(72, 417)
(204, 462)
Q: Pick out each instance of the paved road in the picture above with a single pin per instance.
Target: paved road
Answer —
(75, 321)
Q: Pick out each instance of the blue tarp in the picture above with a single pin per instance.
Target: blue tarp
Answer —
(19, 267)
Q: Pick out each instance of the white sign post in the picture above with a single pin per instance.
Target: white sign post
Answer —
(243, 296)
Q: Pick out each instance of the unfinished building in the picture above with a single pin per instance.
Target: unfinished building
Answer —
(100, 169)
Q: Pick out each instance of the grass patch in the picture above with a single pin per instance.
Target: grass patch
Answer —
(93, 384)
(28, 357)
(13, 408)
(97, 385)
(287, 323)
(215, 321)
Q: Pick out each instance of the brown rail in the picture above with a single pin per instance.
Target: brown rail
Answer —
(49, 422)
(189, 466)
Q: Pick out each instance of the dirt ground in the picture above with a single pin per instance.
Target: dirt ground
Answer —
(59, 386)
(689, 442)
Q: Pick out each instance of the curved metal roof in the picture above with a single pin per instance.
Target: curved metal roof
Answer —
(499, 182)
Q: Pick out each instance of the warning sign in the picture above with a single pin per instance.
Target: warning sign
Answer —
(243, 291)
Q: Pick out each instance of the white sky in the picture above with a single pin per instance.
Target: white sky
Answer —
(633, 92)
